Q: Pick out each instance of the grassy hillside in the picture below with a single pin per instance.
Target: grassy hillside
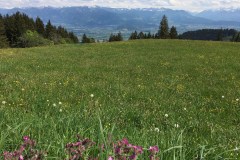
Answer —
(180, 95)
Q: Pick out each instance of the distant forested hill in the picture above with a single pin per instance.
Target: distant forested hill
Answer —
(209, 34)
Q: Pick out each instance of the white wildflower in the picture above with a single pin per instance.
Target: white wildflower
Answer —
(60, 110)
(59, 103)
(4, 102)
(156, 130)
(54, 104)
(166, 115)
(91, 95)
(237, 99)
(176, 125)
(223, 96)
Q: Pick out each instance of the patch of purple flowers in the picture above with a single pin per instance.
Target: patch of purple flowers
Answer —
(121, 150)
(25, 152)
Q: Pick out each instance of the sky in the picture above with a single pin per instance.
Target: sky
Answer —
(189, 5)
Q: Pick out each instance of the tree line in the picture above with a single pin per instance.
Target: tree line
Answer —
(211, 35)
(19, 30)
(163, 33)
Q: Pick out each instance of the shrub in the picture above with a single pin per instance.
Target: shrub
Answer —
(32, 39)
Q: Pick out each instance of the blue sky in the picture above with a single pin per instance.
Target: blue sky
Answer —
(190, 5)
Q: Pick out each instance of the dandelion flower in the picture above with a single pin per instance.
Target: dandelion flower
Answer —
(4, 102)
(166, 115)
(156, 129)
(91, 95)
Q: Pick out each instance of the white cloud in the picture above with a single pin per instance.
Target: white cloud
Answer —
(191, 5)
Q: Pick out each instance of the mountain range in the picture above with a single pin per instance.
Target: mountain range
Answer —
(84, 19)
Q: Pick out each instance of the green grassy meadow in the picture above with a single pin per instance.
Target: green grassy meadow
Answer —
(180, 95)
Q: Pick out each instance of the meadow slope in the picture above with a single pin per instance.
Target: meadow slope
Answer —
(180, 95)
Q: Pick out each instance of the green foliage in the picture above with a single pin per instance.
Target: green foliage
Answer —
(3, 37)
(18, 24)
(40, 28)
(133, 36)
(141, 35)
(85, 39)
(32, 39)
(236, 37)
(173, 33)
(163, 32)
(210, 34)
(117, 37)
(180, 95)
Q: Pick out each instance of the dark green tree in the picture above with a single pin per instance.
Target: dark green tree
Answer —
(85, 39)
(163, 32)
(119, 36)
(173, 33)
(133, 35)
(149, 36)
(220, 35)
(141, 35)
(40, 28)
(73, 37)
(3, 37)
(49, 30)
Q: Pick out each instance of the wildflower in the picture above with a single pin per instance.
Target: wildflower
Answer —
(166, 115)
(154, 149)
(21, 157)
(60, 110)
(156, 129)
(110, 158)
(176, 125)
(91, 95)
(184, 108)
(237, 99)
(4, 102)
(26, 138)
(125, 141)
(223, 96)
(59, 103)
(54, 104)
(23, 89)
(47, 100)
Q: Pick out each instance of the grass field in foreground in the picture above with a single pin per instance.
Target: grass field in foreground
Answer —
(180, 95)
